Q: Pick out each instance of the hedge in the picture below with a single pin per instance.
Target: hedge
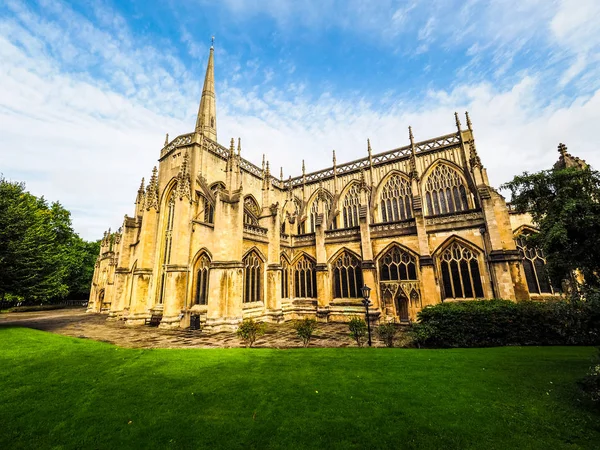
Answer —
(489, 323)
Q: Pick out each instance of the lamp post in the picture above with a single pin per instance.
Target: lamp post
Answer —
(366, 292)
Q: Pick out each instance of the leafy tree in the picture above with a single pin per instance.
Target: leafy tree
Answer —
(41, 257)
(565, 205)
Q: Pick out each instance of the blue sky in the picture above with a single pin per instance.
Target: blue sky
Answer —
(88, 89)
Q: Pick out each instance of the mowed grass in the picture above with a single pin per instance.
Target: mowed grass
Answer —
(60, 392)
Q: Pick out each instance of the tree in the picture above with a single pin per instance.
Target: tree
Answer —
(41, 257)
(565, 205)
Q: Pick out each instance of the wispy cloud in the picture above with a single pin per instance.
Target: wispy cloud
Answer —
(85, 100)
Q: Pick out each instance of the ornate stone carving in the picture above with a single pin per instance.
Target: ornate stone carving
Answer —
(184, 187)
(152, 191)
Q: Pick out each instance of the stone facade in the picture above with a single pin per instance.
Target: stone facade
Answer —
(218, 239)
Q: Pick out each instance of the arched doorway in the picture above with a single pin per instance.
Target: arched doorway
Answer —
(100, 300)
(401, 305)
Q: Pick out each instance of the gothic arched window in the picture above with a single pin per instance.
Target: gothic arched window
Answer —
(285, 278)
(351, 206)
(314, 211)
(397, 264)
(534, 264)
(347, 276)
(460, 272)
(305, 278)
(445, 191)
(251, 211)
(202, 272)
(253, 272)
(396, 200)
(168, 242)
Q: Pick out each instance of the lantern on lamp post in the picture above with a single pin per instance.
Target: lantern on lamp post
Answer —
(366, 292)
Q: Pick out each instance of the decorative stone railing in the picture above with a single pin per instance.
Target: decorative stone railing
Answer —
(393, 226)
(342, 232)
(448, 140)
(179, 141)
(255, 230)
(247, 166)
(304, 237)
(469, 216)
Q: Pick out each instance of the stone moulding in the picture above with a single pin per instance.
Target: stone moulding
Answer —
(504, 255)
(226, 265)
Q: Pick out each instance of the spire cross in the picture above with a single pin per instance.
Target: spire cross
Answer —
(562, 149)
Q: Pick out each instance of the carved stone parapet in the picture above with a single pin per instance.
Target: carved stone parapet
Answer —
(403, 227)
(342, 232)
(454, 218)
(255, 229)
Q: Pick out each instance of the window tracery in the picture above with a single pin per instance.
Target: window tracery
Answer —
(285, 278)
(251, 211)
(396, 200)
(397, 264)
(460, 272)
(351, 206)
(534, 265)
(347, 276)
(314, 211)
(305, 278)
(253, 271)
(202, 273)
(445, 191)
(168, 241)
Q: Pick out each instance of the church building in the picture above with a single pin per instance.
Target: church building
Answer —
(215, 239)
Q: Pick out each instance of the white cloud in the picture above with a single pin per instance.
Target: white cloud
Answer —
(85, 135)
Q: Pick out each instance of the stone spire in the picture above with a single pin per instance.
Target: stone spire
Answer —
(152, 191)
(140, 194)
(457, 121)
(469, 124)
(207, 113)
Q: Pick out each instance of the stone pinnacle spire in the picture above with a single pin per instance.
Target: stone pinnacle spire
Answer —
(207, 113)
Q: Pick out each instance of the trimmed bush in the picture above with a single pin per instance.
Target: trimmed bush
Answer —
(249, 331)
(488, 323)
(358, 330)
(305, 329)
(387, 332)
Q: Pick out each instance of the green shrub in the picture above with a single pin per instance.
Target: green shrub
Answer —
(358, 330)
(305, 329)
(387, 332)
(249, 330)
(487, 323)
(591, 383)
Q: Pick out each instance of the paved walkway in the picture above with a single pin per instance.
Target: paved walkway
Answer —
(77, 323)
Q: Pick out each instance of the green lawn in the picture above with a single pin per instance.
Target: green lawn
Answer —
(59, 392)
